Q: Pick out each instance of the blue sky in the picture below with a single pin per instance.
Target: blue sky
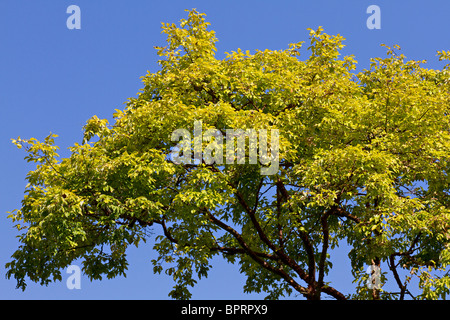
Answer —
(53, 79)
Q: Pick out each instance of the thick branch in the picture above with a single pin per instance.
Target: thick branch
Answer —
(304, 237)
(325, 244)
(310, 249)
(393, 268)
(255, 256)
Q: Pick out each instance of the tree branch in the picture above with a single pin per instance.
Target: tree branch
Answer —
(323, 255)
(393, 268)
(255, 256)
(303, 236)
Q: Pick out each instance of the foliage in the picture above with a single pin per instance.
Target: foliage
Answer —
(363, 160)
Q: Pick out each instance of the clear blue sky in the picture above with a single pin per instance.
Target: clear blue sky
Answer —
(54, 79)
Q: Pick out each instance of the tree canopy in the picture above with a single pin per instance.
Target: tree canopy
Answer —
(362, 161)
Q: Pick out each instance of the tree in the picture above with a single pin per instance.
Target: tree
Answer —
(362, 160)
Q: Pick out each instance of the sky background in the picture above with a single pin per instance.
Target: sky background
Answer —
(53, 79)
